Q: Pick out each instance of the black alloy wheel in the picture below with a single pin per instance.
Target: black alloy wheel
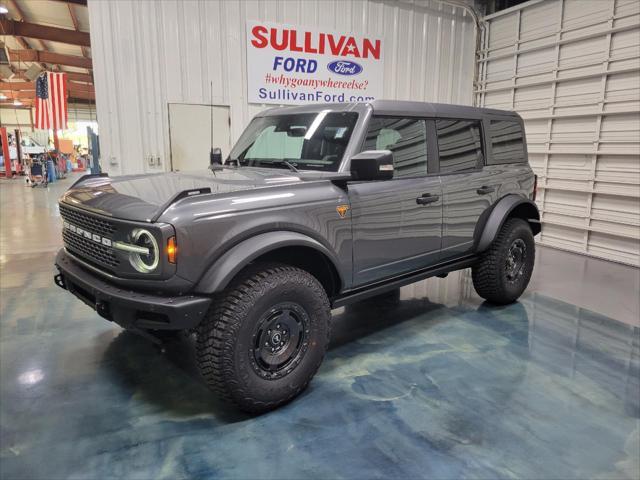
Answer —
(280, 340)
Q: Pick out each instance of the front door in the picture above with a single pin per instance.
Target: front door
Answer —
(396, 223)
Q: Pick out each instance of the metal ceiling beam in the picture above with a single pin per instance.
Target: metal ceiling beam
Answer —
(74, 76)
(50, 57)
(6, 105)
(21, 41)
(75, 2)
(31, 86)
(30, 95)
(43, 32)
(74, 20)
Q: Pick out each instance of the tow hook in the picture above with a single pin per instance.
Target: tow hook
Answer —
(59, 281)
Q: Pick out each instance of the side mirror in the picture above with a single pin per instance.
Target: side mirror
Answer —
(215, 158)
(372, 165)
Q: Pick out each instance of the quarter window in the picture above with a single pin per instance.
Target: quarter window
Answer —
(407, 140)
(459, 145)
(507, 144)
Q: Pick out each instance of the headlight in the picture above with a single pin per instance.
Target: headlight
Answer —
(142, 260)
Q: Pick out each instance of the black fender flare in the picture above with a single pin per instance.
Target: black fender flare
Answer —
(501, 210)
(218, 275)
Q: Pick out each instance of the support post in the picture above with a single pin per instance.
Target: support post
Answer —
(4, 138)
(56, 141)
(18, 151)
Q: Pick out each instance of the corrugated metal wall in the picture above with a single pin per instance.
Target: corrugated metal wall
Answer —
(147, 54)
(571, 68)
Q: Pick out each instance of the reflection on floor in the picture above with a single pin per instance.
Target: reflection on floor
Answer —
(427, 381)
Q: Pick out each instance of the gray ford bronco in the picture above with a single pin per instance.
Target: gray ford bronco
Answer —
(315, 207)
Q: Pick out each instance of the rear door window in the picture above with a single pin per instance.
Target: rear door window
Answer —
(507, 143)
(459, 145)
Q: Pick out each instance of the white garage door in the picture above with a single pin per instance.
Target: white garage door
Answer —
(571, 68)
(190, 134)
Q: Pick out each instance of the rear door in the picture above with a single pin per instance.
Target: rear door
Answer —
(396, 223)
(467, 187)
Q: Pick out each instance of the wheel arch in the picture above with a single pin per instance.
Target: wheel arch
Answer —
(509, 206)
(287, 247)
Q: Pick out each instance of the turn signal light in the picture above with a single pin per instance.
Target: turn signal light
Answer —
(172, 250)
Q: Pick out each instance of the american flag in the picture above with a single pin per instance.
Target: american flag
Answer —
(51, 101)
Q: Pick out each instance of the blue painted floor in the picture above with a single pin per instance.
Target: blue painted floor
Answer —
(426, 382)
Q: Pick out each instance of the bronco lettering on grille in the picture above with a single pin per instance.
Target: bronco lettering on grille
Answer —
(85, 233)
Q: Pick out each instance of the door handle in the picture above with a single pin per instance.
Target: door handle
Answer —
(427, 198)
(484, 190)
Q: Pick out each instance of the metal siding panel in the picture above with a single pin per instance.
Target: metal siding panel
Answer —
(576, 86)
(148, 54)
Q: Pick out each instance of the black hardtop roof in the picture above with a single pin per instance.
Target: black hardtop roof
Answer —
(403, 107)
(395, 107)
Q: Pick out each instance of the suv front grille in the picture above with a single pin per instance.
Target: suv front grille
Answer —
(90, 250)
(103, 228)
(86, 248)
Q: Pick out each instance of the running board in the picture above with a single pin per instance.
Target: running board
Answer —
(363, 293)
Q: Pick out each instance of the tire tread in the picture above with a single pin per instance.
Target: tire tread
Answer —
(486, 275)
(217, 332)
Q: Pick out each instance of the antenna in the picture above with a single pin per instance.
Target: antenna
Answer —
(215, 154)
(211, 158)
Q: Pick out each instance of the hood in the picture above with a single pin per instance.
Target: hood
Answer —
(145, 197)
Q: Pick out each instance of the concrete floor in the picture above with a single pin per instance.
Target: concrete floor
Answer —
(425, 382)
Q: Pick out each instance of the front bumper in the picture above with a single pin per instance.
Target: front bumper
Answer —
(129, 309)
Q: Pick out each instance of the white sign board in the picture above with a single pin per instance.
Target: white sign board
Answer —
(297, 65)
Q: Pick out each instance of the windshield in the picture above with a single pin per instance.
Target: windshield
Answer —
(305, 141)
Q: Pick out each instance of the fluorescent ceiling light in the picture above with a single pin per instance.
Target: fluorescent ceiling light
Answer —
(17, 102)
(3, 9)
(3, 96)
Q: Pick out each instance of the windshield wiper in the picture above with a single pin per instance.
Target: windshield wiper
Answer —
(294, 169)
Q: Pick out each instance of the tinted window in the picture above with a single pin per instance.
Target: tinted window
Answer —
(459, 144)
(506, 142)
(406, 138)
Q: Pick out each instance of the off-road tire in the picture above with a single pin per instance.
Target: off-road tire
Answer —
(490, 277)
(225, 346)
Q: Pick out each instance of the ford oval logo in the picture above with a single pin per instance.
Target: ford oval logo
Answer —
(345, 67)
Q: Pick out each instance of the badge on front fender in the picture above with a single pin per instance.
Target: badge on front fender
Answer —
(342, 210)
